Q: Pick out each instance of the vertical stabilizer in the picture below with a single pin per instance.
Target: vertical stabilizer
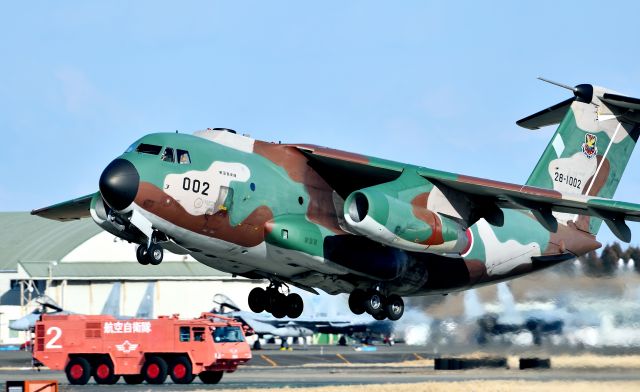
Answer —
(591, 147)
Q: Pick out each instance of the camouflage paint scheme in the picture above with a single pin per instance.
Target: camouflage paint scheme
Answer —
(334, 220)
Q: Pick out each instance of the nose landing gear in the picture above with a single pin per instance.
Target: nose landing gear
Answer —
(275, 302)
(376, 304)
(149, 255)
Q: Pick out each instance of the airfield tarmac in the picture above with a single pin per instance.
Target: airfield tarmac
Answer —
(339, 368)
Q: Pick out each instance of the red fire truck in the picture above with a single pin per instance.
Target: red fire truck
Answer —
(140, 350)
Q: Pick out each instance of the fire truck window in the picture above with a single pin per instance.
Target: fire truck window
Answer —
(184, 334)
(198, 334)
(227, 335)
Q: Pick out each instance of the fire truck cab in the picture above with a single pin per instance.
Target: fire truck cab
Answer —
(106, 348)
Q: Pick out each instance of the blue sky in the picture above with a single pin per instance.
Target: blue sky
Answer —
(439, 84)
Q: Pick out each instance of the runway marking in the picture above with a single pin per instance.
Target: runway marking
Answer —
(343, 358)
(418, 357)
(271, 361)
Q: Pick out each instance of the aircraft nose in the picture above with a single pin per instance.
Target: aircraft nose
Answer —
(119, 184)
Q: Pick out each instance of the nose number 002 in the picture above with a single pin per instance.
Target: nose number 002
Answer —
(195, 186)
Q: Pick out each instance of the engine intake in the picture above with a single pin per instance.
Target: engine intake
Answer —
(400, 218)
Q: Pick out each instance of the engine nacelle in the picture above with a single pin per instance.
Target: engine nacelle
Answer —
(399, 217)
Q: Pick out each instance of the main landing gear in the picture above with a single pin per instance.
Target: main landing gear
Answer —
(275, 302)
(376, 304)
(149, 255)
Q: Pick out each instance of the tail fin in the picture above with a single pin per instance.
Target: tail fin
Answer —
(591, 148)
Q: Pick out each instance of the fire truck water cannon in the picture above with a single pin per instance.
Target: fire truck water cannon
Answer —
(106, 348)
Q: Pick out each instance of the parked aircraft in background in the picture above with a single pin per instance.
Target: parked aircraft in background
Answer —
(265, 325)
(314, 217)
(111, 307)
(27, 322)
(512, 321)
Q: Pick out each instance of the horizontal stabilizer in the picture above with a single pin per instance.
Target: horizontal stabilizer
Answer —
(549, 116)
(621, 101)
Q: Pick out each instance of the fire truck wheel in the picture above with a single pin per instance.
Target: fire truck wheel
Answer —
(141, 255)
(155, 370)
(155, 254)
(295, 305)
(133, 379)
(210, 377)
(103, 372)
(78, 371)
(181, 371)
(257, 299)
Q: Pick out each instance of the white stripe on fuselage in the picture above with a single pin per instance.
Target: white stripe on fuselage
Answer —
(503, 257)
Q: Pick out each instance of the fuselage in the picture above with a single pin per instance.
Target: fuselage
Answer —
(261, 210)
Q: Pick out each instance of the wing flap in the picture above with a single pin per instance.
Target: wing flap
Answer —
(67, 210)
(542, 202)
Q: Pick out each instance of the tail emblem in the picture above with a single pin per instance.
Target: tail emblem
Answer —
(589, 146)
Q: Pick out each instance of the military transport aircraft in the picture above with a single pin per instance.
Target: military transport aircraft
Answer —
(315, 217)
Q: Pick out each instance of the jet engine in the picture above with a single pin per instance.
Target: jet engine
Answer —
(399, 216)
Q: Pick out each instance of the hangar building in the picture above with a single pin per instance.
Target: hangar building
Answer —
(87, 270)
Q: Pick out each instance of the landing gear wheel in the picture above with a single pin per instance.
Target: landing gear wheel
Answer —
(141, 255)
(155, 254)
(155, 370)
(374, 302)
(270, 298)
(78, 371)
(279, 305)
(257, 345)
(181, 371)
(394, 307)
(257, 299)
(356, 301)
(380, 315)
(210, 377)
(133, 379)
(295, 305)
(103, 372)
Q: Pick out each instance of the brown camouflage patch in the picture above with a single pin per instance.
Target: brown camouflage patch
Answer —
(248, 233)
(320, 208)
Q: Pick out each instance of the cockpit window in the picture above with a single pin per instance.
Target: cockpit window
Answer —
(183, 157)
(149, 149)
(167, 155)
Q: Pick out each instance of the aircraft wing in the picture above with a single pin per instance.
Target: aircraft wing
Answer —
(347, 172)
(67, 210)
